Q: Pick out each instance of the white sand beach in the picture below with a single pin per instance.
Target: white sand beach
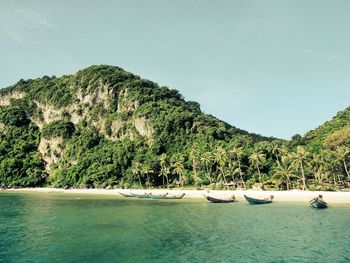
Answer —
(279, 196)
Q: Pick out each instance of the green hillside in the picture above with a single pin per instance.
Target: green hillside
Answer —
(104, 126)
(88, 128)
(330, 134)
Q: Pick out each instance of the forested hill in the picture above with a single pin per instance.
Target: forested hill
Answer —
(105, 126)
(331, 134)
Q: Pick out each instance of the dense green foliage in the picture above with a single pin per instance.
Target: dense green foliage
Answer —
(315, 139)
(104, 126)
(20, 163)
(58, 128)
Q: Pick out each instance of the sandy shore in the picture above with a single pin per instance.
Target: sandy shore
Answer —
(279, 196)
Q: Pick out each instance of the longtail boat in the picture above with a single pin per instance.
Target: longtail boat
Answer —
(318, 202)
(151, 196)
(255, 201)
(173, 196)
(127, 195)
(220, 200)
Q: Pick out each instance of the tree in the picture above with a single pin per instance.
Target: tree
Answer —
(237, 153)
(207, 159)
(275, 149)
(146, 170)
(220, 157)
(136, 169)
(256, 159)
(318, 167)
(342, 152)
(285, 171)
(300, 158)
(178, 167)
(194, 158)
(164, 169)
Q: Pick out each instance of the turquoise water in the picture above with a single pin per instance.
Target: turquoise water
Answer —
(85, 228)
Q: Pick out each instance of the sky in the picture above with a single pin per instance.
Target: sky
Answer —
(273, 67)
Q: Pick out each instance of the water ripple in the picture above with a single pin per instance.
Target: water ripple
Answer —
(63, 228)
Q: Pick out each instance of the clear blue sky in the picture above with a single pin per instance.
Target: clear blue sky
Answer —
(276, 67)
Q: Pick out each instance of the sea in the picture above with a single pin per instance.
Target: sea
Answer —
(59, 227)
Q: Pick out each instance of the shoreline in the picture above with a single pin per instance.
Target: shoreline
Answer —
(279, 196)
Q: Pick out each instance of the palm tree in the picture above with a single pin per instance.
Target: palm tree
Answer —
(300, 158)
(164, 170)
(146, 170)
(178, 167)
(237, 153)
(285, 171)
(194, 158)
(207, 159)
(136, 170)
(329, 166)
(275, 150)
(256, 159)
(342, 152)
(220, 157)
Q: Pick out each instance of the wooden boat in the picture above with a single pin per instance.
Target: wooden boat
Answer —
(127, 195)
(255, 201)
(318, 202)
(145, 195)
(150, 196)
(220, 200)
(173, 196)
(160, 196)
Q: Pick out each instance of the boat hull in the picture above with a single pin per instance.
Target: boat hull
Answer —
(254, 201)
(320, 204)
(127, 195)
(220, 200)
(173, 196)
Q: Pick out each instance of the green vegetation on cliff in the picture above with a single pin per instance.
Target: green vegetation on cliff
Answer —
(104, 126)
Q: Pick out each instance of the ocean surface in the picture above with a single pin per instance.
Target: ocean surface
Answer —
(39, 227)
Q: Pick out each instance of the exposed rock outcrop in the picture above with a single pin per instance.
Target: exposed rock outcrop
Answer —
(51, 150)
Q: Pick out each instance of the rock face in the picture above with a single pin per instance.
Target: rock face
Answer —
(103, 95)
(6, 99)
(86, 102)
(51, 150)
(142, 127)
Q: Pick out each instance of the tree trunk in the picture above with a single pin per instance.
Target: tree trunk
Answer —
(257, 167)
(335, 182)
(148, 181)
(240, 173)
(167, 181)
(346, 168)
(302, 171)
(208, 174)
(140, 181)
(223, 175)
(288, 183)
(277, 159)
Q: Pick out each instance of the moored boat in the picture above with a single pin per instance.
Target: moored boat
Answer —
(152, 196)
(174, 196)
(144, 195)
(212, 199)
(318, 202)
(256, 201)
(127, 194)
